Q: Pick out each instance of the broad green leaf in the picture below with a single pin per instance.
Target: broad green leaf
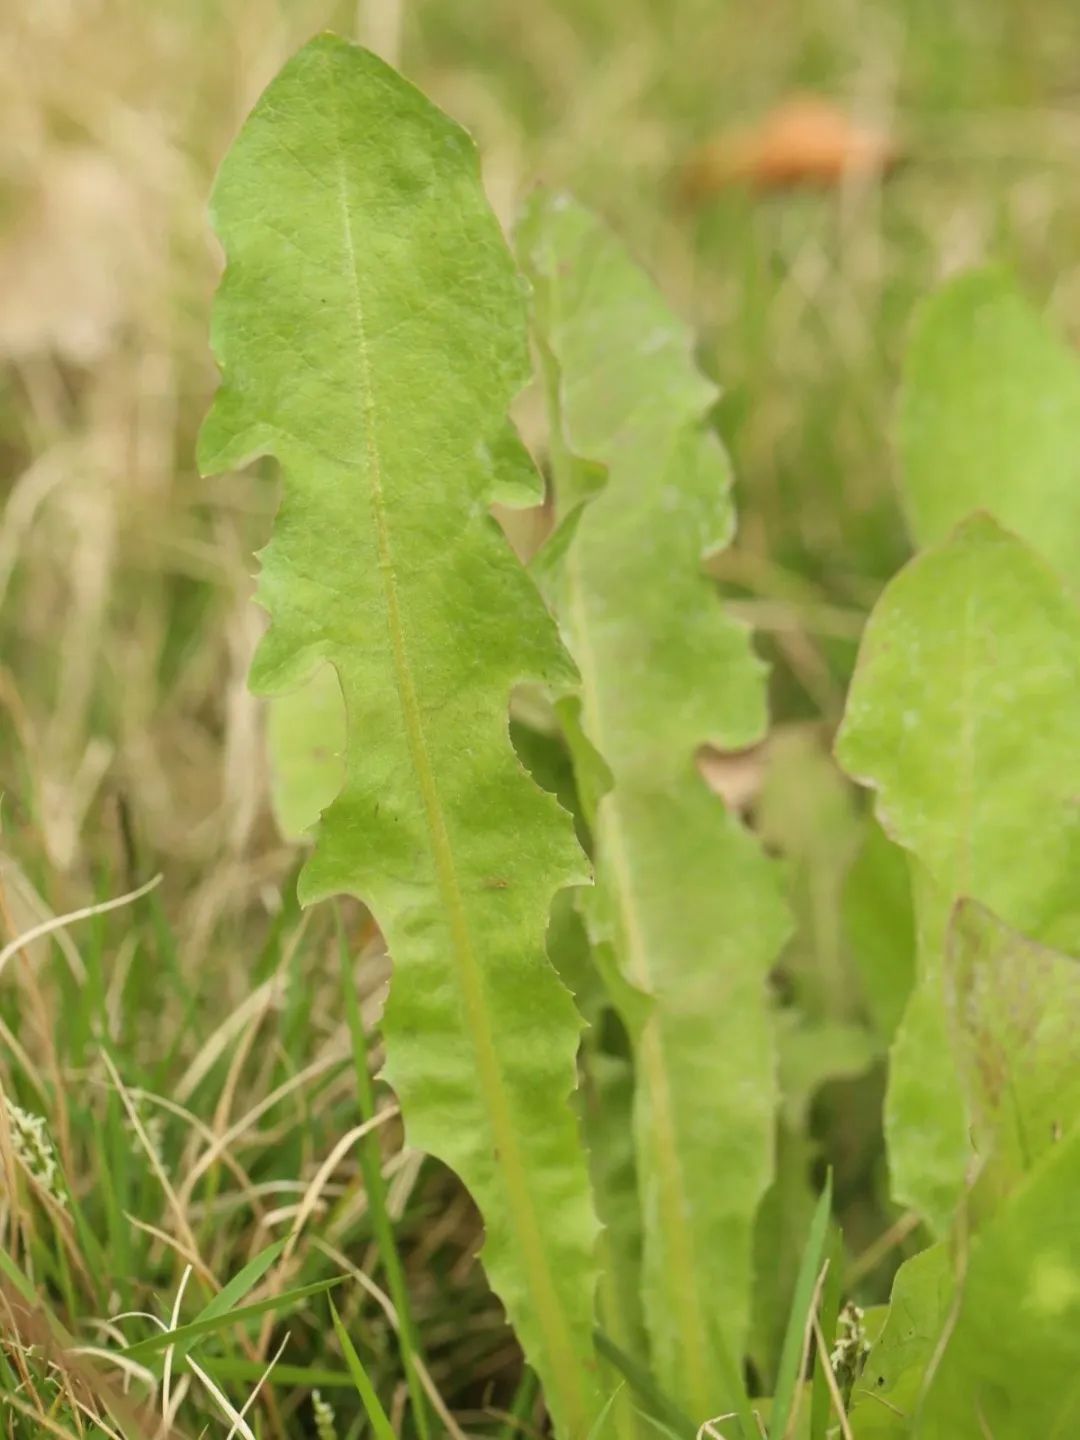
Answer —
(370, 329)
(884, 1398)
(305, 727)
(963, 716)
(927, 1127)
(685, 900)
(879, 928)
(873, 1320)
(1014, 1009)
(990, 419)
(305, 736)
(1010, 1369)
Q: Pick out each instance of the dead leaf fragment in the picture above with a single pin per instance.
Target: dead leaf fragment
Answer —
(806, 140)
(735, 775)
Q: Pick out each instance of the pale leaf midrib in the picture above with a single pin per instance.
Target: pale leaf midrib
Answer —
(563, 1365)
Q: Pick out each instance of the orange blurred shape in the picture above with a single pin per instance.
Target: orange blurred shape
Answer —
(806, 140)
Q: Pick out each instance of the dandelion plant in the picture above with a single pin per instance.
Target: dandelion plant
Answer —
(370, 329)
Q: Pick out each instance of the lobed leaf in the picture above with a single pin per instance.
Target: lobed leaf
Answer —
(685, 900)
(370, 330)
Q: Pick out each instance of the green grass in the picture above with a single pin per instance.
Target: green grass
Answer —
(190, 1054)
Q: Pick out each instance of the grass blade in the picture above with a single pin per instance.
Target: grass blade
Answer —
(791, 1355)
(15, 1277)
(300, 1377)
(380, 1424)
(195, 1329)
(233, 1292)
(645, 1387)
(521, 1410)
(596, 1429)
(821, 1400)
(243, 1281)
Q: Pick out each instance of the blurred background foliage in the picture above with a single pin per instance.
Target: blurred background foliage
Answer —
(128, 742)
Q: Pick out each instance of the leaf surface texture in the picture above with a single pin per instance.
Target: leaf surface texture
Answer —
(963, 716)
(371, 333)
(685, 900)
